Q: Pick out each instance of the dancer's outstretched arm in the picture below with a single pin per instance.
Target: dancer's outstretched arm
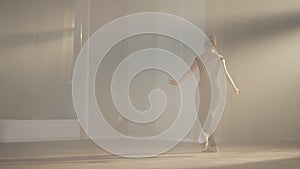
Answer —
(186, 75)
(237, 91)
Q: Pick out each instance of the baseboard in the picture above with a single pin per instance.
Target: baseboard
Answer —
(38, 130)
(47, 130)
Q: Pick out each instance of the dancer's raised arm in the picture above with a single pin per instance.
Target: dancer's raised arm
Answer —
(186, 75)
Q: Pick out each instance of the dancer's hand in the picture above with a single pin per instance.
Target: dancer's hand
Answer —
(237, 91)
(173, 82)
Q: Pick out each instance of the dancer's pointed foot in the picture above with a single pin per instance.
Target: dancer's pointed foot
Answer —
(205, 144)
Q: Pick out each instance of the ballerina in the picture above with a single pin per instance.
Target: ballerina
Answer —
(209, 144)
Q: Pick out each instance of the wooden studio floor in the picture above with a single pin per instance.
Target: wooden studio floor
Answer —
(85, 154)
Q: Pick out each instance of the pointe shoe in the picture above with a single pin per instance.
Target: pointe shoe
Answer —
(205, 141)
(213, 149)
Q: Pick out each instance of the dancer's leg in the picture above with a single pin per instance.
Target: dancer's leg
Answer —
(204, 105)
(212, 141)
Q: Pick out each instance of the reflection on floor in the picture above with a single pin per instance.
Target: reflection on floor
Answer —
(84, 154)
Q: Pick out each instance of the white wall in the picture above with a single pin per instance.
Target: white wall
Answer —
(36, 63)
